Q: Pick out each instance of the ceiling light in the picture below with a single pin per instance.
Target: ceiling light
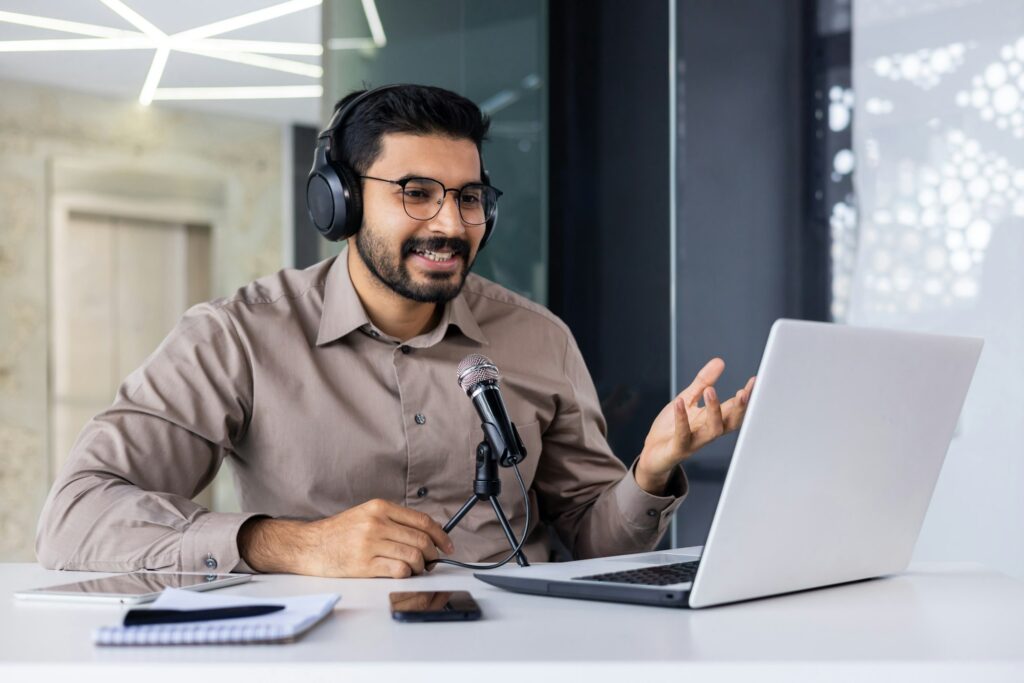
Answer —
(198, 41)
(76, 44)
(265, 46)
(156, 72)
(376, 30)
(373, 19)
(271, 92)
(249, 19)
(350, 43)
(64, 26)
(135, 19)
(290, 66)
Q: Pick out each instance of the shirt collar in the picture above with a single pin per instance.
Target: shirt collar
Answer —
(343, 312)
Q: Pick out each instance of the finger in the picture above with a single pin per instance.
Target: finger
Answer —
(386, 567)
(707, 376)
(713, 424)
(399, 551)
(421, 521)
(749, 389)
(405, 535)
(683, 433)
(733, 411)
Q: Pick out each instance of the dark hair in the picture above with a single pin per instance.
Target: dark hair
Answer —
(417, 109)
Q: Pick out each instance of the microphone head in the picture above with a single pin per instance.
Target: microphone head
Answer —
(474, 369)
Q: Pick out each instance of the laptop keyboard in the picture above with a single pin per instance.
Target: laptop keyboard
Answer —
(661, 575)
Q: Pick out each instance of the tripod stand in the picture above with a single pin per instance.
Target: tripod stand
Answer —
(487, 486)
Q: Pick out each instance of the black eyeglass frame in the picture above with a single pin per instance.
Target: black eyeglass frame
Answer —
(402, 182)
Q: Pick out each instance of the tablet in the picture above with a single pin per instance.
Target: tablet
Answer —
(132, 589)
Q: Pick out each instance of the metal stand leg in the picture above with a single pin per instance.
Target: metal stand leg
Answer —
(487, 486)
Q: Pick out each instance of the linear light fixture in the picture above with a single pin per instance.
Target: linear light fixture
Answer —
(135, 19)
(199, 41)
(267, 92)
(264, 46)
(77, 44)
(75, 27)
(286, 65)
(373, 19)
(248, 19)
(156, 72)
(377, 39)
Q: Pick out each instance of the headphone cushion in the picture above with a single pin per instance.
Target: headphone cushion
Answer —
(351, 199)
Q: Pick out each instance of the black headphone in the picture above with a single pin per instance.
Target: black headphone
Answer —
(333, 191)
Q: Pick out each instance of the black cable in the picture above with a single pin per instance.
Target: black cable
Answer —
(522, 539)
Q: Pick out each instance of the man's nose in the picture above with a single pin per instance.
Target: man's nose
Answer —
(448, 220)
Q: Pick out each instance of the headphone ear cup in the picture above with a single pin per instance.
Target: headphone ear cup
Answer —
(324, 198)
(333, 196)
(352, 191)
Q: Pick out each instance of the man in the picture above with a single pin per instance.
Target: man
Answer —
(332, 390)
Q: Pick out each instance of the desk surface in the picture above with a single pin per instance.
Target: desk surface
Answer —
(942, 621)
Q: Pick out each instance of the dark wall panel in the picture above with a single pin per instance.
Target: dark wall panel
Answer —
(609, 199)
(741, 182)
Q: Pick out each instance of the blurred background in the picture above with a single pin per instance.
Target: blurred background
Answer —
(677, 175)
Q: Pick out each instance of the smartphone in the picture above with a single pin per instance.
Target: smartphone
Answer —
(132, 589)
(434, 606)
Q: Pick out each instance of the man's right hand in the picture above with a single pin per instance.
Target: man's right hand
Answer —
(377, 538)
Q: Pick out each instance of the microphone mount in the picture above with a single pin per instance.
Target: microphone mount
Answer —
(478, 377)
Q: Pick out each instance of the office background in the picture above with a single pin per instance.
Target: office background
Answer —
(677, 174)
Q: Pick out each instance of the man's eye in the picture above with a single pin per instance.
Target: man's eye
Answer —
(470, 199)
(415, 194)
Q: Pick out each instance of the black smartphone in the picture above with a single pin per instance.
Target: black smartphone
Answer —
(434, 606)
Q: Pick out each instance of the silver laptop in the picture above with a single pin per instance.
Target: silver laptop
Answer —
(833, 470)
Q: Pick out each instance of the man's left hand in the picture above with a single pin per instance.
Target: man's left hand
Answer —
(683, 427)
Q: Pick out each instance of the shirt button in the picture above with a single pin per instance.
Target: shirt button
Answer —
(422, 492)
(211, 562)
(421, 418)
(652, 513)
(406, 350)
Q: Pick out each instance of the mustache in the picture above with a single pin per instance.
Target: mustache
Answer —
(457, 246)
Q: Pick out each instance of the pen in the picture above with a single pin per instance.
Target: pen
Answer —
(141, 617)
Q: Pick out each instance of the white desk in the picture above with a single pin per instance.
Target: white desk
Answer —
(935, 623)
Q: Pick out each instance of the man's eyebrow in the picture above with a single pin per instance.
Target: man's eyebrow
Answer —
(409, 176)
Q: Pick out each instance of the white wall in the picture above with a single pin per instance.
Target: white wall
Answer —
(55, 142)
(939, 144)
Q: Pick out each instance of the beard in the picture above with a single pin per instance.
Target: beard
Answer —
(393, 271)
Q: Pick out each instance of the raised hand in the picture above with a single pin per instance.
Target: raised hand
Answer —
(684, 426)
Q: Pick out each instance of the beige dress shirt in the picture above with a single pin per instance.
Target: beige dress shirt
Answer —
(319, 411)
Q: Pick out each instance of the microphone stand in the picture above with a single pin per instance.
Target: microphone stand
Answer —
(487, 486)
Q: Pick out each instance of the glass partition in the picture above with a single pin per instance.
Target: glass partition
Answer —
(494, 53)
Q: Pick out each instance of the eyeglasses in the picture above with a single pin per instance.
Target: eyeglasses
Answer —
(423, 198)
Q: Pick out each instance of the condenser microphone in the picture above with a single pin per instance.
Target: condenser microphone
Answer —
(479, 378)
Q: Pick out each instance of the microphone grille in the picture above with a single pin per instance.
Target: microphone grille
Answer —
(474, 369)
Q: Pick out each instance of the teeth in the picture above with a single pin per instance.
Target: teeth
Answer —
(436, 256)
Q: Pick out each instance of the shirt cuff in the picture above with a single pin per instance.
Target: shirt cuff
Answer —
(645, 510)
(210, 543)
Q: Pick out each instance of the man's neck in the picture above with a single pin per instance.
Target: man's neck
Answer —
(390, 312)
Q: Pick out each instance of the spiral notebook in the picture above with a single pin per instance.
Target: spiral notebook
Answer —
(299, 615)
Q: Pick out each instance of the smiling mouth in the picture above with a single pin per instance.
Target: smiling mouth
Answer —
(436, 256)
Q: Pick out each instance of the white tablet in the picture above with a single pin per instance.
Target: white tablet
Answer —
(132, 589)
